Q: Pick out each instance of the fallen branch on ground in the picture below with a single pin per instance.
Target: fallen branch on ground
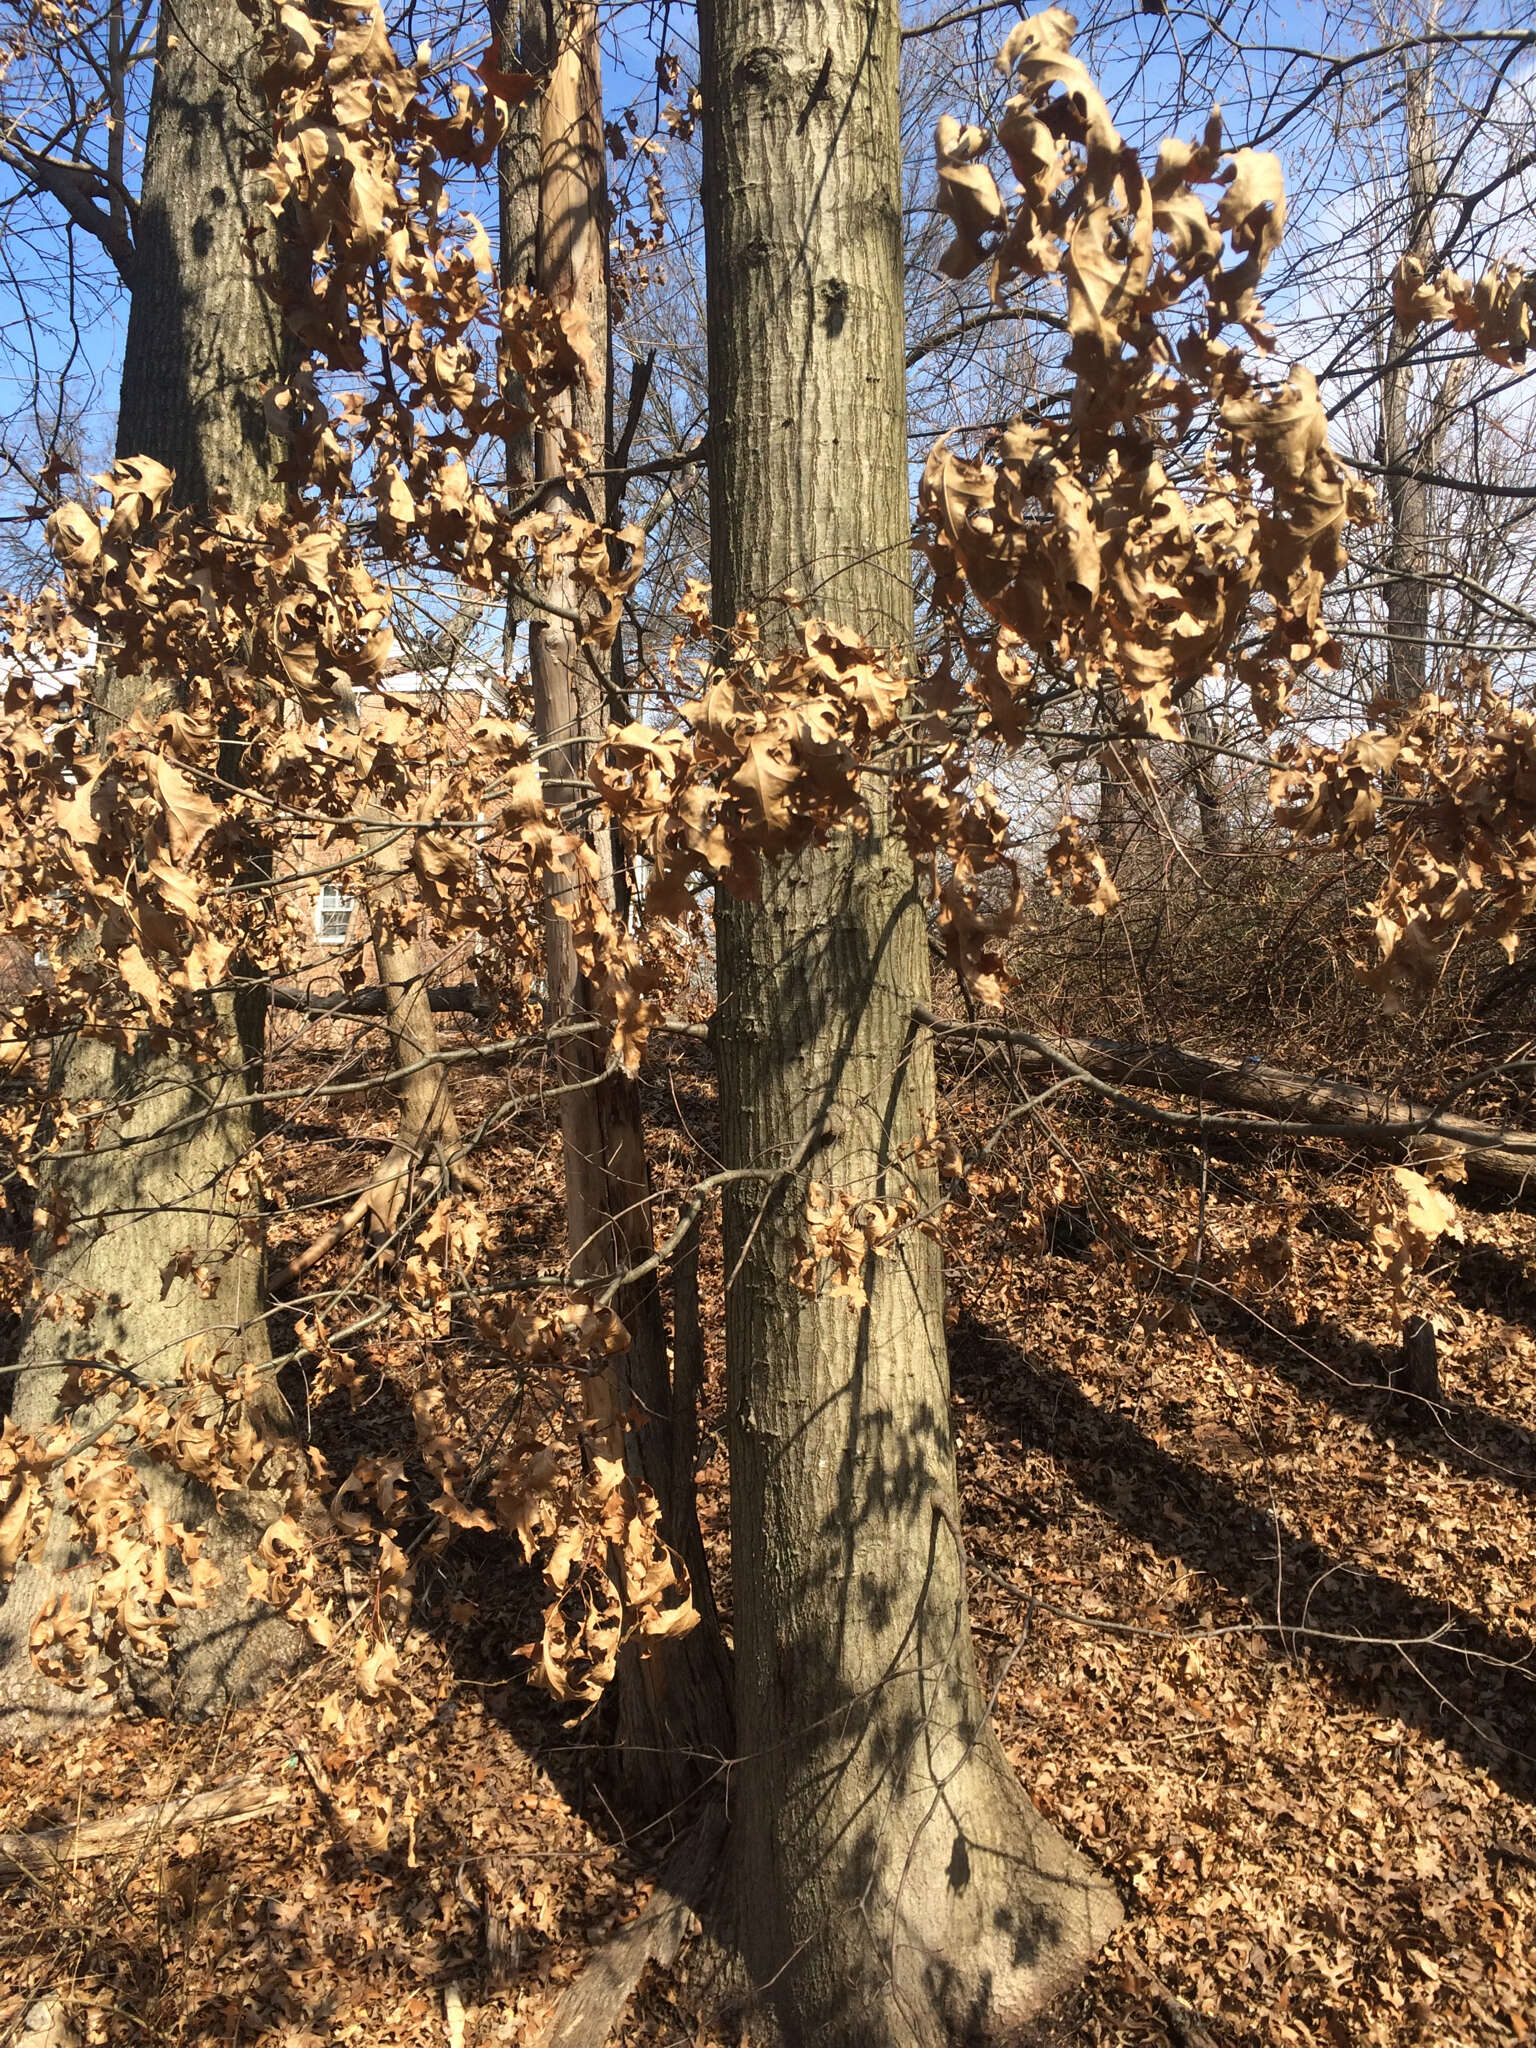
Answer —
(51, 1851)
(1292, 1105)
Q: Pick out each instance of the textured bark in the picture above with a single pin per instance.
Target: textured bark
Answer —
(571, 266)
(48, 1855)
(202, 342)
(522, 40)
(427, 1140)
(1416, 1376)
(1204, 775)
(1116, 821)
(674, 1701)
(894, 1883)
(1403, 451)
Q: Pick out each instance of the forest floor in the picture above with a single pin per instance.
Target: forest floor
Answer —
(1261, 1638)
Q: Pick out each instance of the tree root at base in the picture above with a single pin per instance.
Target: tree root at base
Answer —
(591, 2007)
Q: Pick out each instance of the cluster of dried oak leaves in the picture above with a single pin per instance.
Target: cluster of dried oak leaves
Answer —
(1126, 539)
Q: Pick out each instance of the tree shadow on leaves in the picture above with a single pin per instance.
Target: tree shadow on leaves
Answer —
(1325, 1364)
(1432, 1663)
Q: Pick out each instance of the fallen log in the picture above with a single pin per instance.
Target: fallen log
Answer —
(52, 1851)
(453, 998)
(1281, 1103)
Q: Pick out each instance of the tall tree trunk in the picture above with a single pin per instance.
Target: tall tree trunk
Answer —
(896, 1884)
(427, 1142)
(1403, 452)
(428, 1145)
(674, 1701)
(202, 342)
(1117, 815)
(1204, 774)
(522, 41)
(427, 1152)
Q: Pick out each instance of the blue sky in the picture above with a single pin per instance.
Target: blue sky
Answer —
(1159, 71)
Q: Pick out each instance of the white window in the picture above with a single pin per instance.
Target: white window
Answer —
(333, 915)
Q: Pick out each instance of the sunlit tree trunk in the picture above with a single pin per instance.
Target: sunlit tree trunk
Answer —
(202, 343)
(896, 1885)
(425, 1157)
(673, 1697)
(1407, 455)
(522, 40)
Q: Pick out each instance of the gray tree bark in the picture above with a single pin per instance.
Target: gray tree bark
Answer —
(1403, 450)
(895, 1884)
(202, 343)
(1204, 773)
(1116, 821)
(522, 42)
